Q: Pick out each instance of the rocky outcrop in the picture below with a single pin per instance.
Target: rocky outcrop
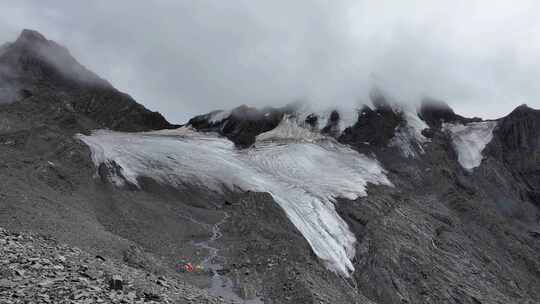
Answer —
(242, 124)
(376, 126)
(435, 113)
(520, 130)
(518, 144)
(332, 126)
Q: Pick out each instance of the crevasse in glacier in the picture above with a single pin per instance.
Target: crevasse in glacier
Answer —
(469, 140)
(303, 176)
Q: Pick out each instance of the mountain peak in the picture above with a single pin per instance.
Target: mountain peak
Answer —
(31, 36)
(36, 58)
(522, 108)
(34, 66)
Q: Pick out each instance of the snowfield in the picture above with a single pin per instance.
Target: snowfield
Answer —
(304, 174)
(469, 141)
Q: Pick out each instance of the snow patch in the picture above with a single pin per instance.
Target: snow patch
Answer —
(290, 129)
(303, 177)
(469, 141)
(347, 116)
(409, 138)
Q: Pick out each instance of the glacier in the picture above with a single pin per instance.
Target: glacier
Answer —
(304, 174)
(469, 140)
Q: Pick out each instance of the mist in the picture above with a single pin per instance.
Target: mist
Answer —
(184, 58)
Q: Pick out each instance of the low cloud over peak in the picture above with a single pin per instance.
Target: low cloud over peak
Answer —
(183, 58)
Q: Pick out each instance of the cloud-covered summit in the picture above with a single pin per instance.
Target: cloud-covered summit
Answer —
(188, 57)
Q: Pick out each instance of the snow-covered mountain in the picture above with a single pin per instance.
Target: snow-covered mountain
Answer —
(384, 203)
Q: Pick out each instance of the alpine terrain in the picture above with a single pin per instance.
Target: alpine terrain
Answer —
(104, 201)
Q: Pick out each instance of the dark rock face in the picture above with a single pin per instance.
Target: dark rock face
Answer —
(520, 130)
(37, 58)
(246, 123)
(374, 126)
(243, 124)
(518, 144)
(34, 67)
(312, 120)
(332, 126)
(435, 113)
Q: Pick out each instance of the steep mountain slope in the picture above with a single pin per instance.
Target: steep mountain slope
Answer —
(379, 204)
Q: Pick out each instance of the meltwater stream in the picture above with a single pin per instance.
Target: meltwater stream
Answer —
(220, 286)
(303, 174)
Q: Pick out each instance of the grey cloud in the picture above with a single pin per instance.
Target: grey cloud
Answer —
(188, 57)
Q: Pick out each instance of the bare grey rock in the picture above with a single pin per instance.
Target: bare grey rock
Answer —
(116, 282)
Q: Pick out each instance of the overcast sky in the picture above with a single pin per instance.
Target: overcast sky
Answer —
(188, 57)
